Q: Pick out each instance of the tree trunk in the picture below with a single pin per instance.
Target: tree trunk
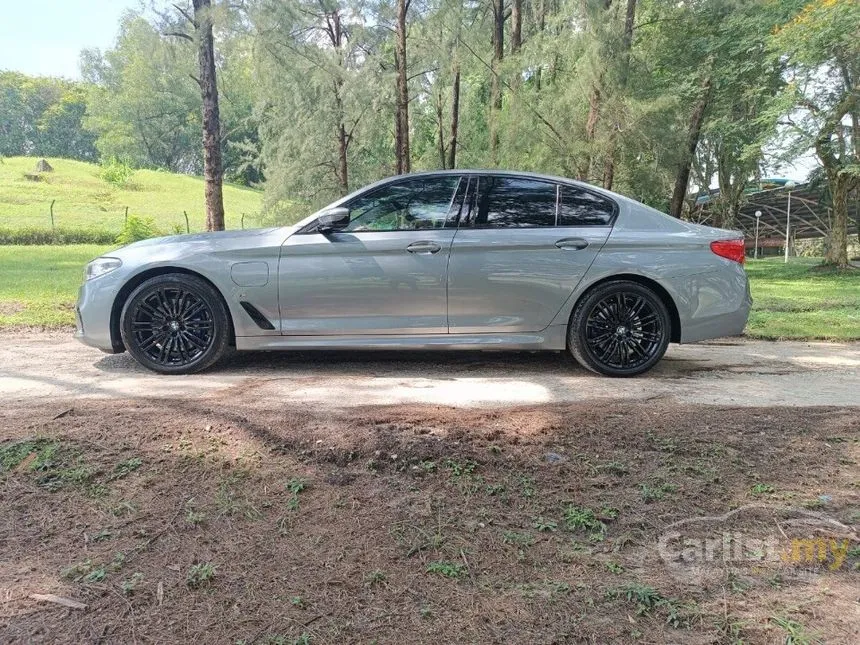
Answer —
(335, 34)
(440, 128)
(626, 45)
(841, 183)
(516, 25)
(541, 24)
(402, 154)
(837, 250)
(212, 164)
(455, 118)
(682, 179)
(342, 163)
(584, 171)
(496, 88)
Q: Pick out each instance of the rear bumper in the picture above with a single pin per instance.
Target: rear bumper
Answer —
(730, 321)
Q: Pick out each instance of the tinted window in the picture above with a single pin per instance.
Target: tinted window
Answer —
(581, 208)
(509, 202)
(409, 205)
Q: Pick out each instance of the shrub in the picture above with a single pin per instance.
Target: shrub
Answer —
(30, 235)
(136, 229)
(116, 172)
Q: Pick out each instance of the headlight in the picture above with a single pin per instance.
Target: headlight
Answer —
(100, 266)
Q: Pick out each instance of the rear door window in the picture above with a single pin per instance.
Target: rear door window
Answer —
(513, 202)
(579, 207)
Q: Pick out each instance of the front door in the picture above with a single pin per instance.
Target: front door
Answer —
(522, 248)
(385, 273)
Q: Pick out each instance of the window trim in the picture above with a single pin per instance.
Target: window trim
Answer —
(311, 228)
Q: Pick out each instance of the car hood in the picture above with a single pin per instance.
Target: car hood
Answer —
(211, 242)
(212, 237)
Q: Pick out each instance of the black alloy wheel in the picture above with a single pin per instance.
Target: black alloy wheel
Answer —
(620, 328)
(175, 324)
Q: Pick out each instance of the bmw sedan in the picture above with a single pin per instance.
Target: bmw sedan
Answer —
(441, 260)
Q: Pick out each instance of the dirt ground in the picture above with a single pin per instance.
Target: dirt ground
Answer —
(273, 504)
(35, 367)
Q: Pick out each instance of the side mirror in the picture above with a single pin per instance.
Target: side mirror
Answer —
(333, 219)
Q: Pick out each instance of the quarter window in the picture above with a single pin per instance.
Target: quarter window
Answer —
(581, 208)
(509, 202)
(409, 205)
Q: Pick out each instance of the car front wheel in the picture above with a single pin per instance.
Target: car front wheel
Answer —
(175, 324)
(620, 328)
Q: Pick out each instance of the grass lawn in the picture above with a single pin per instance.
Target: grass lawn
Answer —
(84, 199)
(40, 285)
(799, 300)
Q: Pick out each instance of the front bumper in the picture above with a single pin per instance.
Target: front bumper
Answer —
(93, 314)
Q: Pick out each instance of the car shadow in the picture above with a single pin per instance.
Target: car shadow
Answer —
(438, 365)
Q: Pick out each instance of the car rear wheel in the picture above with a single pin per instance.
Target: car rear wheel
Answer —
(175, 324)
(620, 328)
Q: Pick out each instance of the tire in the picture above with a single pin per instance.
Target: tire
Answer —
(619, 328)
(175, 324)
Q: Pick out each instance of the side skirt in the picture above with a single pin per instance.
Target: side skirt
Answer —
(551, 338)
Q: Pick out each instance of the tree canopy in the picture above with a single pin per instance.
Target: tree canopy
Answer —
(656, 99)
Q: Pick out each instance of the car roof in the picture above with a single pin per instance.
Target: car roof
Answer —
(497, 172)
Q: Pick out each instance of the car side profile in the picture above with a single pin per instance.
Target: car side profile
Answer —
(460, 259)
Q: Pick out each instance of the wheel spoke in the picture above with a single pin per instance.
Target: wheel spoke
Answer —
(150, 311)
(635, 309)
(172, 326)
(163, 304)
(624, 330)
(199, 325)
(199, 344)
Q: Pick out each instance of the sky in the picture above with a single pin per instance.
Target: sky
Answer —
(45, 37)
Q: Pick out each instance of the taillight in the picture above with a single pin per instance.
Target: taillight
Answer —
(730, 249)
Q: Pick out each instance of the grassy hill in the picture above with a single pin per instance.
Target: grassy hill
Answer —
(85, 199)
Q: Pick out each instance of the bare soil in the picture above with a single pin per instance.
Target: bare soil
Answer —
(197, 520)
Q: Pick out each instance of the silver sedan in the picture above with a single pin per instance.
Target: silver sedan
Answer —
(442, 260)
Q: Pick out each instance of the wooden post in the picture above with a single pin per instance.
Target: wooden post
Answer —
(243, 221)
(52, 213)
(187, 225)
(126, 214)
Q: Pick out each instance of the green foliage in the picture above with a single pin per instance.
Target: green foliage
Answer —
(795, 632)
(126, 467)
(762, 489)
(579, 518)
(200, 574)
(13, 453)
(544, 525)
(31, 235)
(116, 172)
(43, 117)
(295, 486)
(136, 229)
(142, 102)
(655, 492)
(648, 600)
(447, 569)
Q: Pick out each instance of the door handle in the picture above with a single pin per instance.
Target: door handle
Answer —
(424, 248)
(572, 244)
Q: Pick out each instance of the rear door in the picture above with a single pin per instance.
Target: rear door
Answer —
(384, 274)
(522, 247)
